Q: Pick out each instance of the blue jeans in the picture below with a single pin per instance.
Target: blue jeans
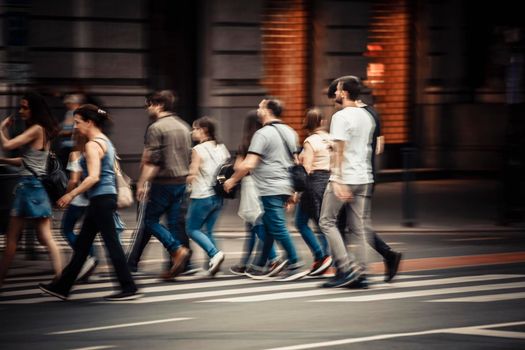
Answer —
(203, 212)
(70, 218)
(256, 231)
(301, 222)
(165, 199)
(274, 220)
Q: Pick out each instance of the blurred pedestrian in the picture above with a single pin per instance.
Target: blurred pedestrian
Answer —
(205, 205)
(165, 164)
(254, 225)
(391, 258)
(268, 161)
(31, 201)
(315, 158)
(351, 180)
(65, 135)
(99, 183)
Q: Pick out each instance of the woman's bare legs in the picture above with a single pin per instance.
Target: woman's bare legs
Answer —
(45, 237)
(16, 225)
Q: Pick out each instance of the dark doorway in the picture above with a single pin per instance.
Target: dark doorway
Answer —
(173, 38)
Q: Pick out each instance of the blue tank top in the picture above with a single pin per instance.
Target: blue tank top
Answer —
(106, 183)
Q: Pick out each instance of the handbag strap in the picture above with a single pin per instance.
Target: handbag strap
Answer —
(211, 156)
(30, 170)
(286, 145)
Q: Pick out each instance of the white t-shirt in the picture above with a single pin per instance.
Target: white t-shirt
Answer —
(355, 126)
(80, 200)
(212, 157)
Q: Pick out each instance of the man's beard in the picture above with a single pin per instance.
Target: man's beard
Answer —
(339, 100)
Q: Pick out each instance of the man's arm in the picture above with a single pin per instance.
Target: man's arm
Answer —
(248, 164)
(147, 172)
(380, 145)
(341, 190)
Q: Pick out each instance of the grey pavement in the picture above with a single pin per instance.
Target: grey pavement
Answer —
(439, 205)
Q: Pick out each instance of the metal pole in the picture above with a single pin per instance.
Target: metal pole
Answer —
(408, 198)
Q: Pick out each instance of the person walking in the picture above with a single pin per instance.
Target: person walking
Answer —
(205, 205)
(315, 158)
(31, 201)
(254, 225)
(391, 258)
(351, 181)
(165, 164)
(99, 184)
(268, 161)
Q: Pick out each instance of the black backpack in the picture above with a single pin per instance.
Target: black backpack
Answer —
(225, 172)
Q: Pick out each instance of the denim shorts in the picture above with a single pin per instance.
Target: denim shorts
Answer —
(31, 200)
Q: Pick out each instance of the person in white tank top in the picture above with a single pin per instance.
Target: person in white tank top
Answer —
(205, 206)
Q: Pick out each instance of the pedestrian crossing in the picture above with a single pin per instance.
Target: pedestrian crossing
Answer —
(235, 289)
(30, 242)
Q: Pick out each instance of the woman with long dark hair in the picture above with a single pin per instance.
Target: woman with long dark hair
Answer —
(31, 200)
(99, 183)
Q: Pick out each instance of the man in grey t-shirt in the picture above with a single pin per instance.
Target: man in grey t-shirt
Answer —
(268, 160)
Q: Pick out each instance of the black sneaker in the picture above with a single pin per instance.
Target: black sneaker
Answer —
(359, 283)
(392, 265)
(290, 274)
(275, 267)
(239, 270)
(49, 289)
(255, 272)
(123, 296)
(343, 280)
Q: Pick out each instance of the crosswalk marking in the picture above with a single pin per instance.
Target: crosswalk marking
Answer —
(232, 289)
(124, 325)
(372, 338)
(111, 282)
(200, 295)
(35, 294)
(481, 298)
(420, 293)
(490, 333)
(317, 292)
(166, 287)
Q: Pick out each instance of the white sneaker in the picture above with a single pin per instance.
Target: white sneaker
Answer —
(88, 268)
(215, 263)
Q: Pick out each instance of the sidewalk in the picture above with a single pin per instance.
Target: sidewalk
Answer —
(440, 205)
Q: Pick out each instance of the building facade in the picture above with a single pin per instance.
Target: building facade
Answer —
(434, 69)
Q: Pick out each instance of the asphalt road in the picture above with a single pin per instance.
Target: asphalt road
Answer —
(455, 290)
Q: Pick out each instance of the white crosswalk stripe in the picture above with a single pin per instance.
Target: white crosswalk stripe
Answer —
(231, 289)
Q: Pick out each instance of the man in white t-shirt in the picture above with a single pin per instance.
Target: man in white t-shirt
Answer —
(391, 258)
(352, 129)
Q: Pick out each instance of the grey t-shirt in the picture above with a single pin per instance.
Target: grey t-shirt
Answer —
(271, 174)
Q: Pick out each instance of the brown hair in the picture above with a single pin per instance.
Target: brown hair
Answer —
(313, 119)
(210, 125)
(94, 113)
